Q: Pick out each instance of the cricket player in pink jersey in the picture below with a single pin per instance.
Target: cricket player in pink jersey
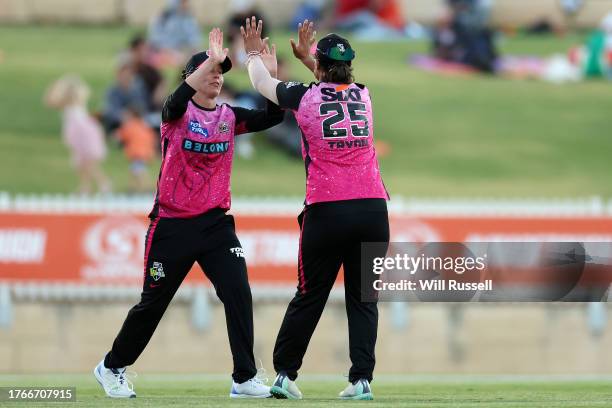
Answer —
(189, 222)
(345, 201)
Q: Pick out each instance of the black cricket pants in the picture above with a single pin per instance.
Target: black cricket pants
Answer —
(171, 248)
(331, 235)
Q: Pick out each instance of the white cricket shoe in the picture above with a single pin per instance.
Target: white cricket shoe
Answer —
(359, 390)
(114, 381)
(253, 388)
(284, 388)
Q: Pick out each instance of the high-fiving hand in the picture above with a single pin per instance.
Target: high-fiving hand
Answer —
(216, 52)
(306, 37)
(251, 33)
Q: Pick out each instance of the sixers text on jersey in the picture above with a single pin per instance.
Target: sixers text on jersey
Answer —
(356, 111)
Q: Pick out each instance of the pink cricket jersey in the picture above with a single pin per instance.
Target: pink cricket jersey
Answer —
(337, 143)
(197, 152)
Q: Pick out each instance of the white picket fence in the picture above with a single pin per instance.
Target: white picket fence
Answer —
(285, 205)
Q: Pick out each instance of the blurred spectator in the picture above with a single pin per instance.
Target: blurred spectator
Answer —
(174, 35)
(128, 90)
(591, 60)
(594, 59)
(606, 26)
(472, 15)
(599, 50)
(445, 41)
(540, 27)
(239, 11)
(139, 146)
(151, 77)
(81, 132)
(571, 7)
(370, 19)
(463, 35)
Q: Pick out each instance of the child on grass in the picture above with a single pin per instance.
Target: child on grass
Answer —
(139, 145)
(81, 132)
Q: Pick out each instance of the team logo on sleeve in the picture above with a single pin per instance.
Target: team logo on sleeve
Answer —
(195, 127)
(223, 127)
(292, 84)
(157, 271)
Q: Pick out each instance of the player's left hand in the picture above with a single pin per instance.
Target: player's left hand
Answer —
(306, 38)
(216, 52)
(251, 33)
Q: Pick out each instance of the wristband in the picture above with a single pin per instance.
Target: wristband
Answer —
(251, 55)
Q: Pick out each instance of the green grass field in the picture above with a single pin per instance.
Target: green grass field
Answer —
(431, 392)
(462, 137)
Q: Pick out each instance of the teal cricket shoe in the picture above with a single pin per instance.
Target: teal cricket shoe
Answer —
(359, 390)
(284, 388)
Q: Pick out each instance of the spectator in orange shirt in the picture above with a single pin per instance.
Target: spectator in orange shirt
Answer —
(139, 145)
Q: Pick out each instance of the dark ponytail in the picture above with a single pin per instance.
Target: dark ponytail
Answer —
(336, 72)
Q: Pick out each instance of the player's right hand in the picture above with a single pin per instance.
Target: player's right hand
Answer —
(306, 37)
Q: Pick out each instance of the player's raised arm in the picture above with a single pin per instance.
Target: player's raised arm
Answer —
(306, 38)
(255, 120)
(260, 59)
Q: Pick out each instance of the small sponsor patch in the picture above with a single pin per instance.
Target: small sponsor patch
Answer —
(195, 127)
(157, 271)
(239, 252)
